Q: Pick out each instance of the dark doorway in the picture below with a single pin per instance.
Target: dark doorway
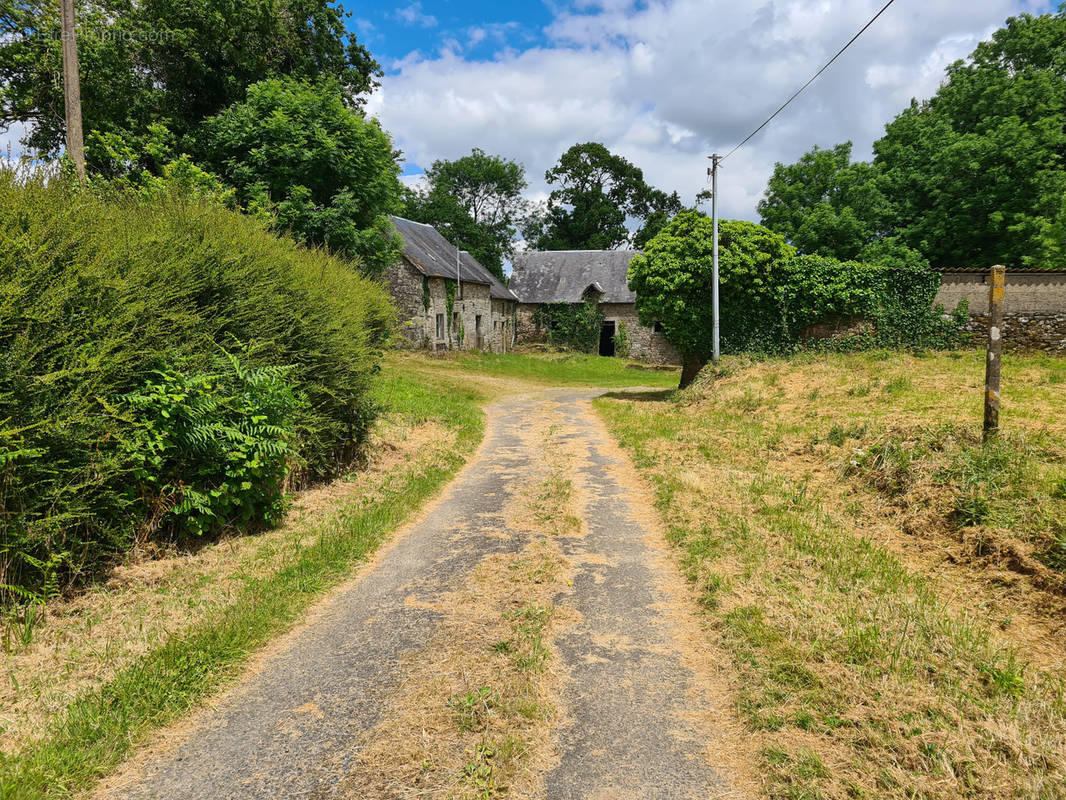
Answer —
(607, 339)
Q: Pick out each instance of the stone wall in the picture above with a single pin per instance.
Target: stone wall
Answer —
(645, 344)
(404, 283)
(1034, 306)
(474, 310)
(1045, 332)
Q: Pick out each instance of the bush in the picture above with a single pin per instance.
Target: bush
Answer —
(770, 296)
(115, 315)
(573, 325)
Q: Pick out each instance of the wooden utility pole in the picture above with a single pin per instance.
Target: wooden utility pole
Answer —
(996, 290)
(72, 91)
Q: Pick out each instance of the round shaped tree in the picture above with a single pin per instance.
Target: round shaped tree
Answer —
(673, 282)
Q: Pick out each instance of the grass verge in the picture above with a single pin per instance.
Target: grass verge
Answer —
(874, 654)
(561, 369)
(99, 728)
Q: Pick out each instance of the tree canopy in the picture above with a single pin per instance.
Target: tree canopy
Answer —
(169, 62)
(475, 201)
(972, 177)
(329, 172)
(673, 282)
(598, 192)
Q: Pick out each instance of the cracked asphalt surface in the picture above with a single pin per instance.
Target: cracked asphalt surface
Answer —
(634, 718)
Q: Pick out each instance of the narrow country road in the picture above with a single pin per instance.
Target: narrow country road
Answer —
(633, 715)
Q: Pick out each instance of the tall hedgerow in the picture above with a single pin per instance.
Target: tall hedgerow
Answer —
(166, 365)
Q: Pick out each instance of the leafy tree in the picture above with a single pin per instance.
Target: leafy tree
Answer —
(972, 177)
(329, 172)
(824, 204)
(673, 283)
(476, 201)
(598, 192)
(977, 172)
(172, 62)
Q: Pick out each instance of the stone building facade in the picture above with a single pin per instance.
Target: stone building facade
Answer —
(446, 299)
(573, 276)
(1034, 305)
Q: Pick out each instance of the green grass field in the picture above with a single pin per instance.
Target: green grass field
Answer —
(562, 369)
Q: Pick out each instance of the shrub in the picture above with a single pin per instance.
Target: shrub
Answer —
(113, 311)
(770, 296)
(573, 325)
(213, 448)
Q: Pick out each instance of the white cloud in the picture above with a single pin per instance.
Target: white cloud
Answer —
(669, 81)
(414, 15)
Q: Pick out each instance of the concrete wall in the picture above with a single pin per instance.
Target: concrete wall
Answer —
(1031, 292)
(418, 325)
(1034, 306)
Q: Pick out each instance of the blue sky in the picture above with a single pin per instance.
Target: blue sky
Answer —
(662, 82)
(393, 31)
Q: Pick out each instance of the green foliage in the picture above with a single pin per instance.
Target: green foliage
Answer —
(212, 449)
(102, 294)
(621, 341)
(329, 172)
(975, 176)
(476, 202)
(573, 325)
(450, 291)
(673, 283)
(597, 192)
(171, 63)
(770, 296)
(813, 203)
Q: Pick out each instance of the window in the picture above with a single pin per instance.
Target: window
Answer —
(477, 325)
(440, 326)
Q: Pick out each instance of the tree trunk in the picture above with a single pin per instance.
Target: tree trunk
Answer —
(691, 364)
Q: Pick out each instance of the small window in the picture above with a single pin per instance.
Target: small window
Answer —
(440, 326)
(477, 325)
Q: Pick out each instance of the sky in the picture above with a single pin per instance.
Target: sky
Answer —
(662, 82)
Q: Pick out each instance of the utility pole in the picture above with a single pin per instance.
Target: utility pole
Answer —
(993, 364)
(72, 91)
(716, 349)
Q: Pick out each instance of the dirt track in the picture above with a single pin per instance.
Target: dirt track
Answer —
(636, 712)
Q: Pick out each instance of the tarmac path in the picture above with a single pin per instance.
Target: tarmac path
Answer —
(636, 718)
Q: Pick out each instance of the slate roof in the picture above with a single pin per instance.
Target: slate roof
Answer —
(425, 249)
(562, 276)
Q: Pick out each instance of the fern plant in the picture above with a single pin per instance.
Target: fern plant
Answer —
(213, 450)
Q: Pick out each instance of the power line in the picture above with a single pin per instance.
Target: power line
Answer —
(808, 83)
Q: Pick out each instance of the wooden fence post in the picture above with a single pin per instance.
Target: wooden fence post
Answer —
(996, 290)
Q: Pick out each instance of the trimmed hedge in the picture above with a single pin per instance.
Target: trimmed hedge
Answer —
(158, 354)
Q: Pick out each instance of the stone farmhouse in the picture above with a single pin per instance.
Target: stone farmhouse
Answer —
(574, 276)
(447, 300)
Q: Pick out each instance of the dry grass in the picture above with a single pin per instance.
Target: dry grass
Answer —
(80, 643)
(882, 647)
(472, 713)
